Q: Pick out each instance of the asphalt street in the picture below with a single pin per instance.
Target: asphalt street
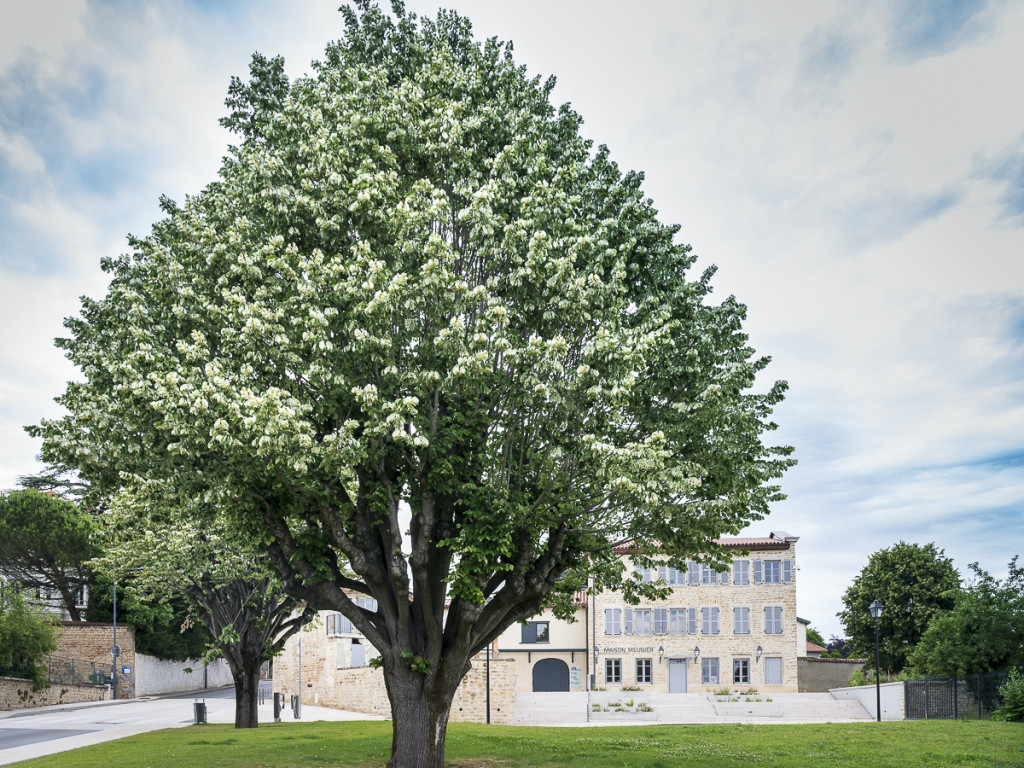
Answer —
(25, 734)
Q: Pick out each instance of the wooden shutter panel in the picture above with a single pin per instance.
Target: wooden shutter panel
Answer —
(692, 622)
(628, 621)
(758, 570)
(693, 572)
(723, 577)
(714, 621)
(330, 623)
(787, 571)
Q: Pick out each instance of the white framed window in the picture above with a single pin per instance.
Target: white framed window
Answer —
(709, 621)
(613, 621)
(707, 575)
(677, 621)
(773, 620)
(644, 671)
(741, 572)
(741, 621)
(661, 621)
(709, 671)
(642, 621)
(741, 670)
(613, 670)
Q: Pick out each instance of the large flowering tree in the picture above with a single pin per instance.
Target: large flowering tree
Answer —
(423, 341)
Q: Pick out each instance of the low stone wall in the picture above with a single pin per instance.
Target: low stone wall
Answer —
(361, 689)
(822, 675)
(19, 694)
(155, 676)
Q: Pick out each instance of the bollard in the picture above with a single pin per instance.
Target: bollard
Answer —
(200, 708)
(295, 706)
(278, 706)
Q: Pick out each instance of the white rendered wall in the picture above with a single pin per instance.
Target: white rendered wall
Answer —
(892, 699)
(154, 676)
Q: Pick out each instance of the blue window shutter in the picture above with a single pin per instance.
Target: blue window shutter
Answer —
(758, 571)
(628, 621)
(693, 572)
(692, 622)
(787, 571)
(723, 577)
(714, 621)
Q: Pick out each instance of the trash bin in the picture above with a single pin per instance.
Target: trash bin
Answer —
(200, 707)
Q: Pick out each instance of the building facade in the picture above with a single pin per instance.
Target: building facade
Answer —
(550, 654)
(736, 628)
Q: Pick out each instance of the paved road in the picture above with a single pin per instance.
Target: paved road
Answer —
(25, 734)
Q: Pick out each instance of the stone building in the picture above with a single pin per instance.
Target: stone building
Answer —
(736, 628)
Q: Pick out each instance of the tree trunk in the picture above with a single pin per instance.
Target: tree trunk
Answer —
(247, 686)
(419, 708)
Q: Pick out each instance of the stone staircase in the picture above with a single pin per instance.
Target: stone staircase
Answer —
(687, 708)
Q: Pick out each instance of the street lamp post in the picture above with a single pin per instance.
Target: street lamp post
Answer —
(876, 613)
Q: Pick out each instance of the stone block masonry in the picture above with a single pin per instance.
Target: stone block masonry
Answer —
(19, 694)
(361, 689)
(92, 641)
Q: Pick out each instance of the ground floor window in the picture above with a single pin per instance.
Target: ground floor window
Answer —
(709, 671)
(644, 673)
(613, 670)
(741, 670)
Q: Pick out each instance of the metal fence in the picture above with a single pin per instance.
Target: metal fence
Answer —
(77, 672)
(973, 696)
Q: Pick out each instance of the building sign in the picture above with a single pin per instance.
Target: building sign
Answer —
(629, 650)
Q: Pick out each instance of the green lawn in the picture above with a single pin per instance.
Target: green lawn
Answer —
(858, 745)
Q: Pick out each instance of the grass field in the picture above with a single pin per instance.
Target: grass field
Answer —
(858, 745)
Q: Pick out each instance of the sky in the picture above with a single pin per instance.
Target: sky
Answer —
(855, 171)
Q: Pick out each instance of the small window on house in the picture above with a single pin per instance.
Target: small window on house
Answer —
(536, 632)
(642, 621)
(661, 621)
(773, 620)
(677, 621)
(741, 621)
(644, 672)
(709, 621)
(709, 671)
(613, 621)
(772, 571)
(741, 670)
(741, 572)
(613, 670)
(707, 575)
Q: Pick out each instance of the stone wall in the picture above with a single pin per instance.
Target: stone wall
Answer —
(92, 641)
(820, 675)
(361, 689)
(891, 695)
(18, 694)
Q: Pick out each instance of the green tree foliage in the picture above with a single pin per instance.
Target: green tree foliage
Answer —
(814, 636)
(45, 542)
(166, 629)
(27, 634)
(1012, 692)
(983, 632)
(913, 582)
(416, 286)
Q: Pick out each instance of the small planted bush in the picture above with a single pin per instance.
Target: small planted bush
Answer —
(1012, 692)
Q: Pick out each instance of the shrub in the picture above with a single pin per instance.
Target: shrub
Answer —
(1012, 692)
(27, 634)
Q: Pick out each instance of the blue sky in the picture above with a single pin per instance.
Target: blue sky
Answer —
(855, 171)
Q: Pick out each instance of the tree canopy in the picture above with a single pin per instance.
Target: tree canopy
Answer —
(423, 341)
(27, 634)
(984, 630)
(226, 582)
(913, 583)
(45, 543)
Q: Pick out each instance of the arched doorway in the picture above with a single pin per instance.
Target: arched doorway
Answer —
(550, 675)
